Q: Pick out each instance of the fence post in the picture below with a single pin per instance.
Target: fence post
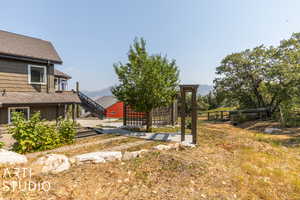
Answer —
(124, 115)
(207, 116)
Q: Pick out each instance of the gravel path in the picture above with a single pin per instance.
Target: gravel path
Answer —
(75, 146)
(127, 145)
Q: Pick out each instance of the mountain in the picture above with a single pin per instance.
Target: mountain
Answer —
(98, 93)
(202, 90)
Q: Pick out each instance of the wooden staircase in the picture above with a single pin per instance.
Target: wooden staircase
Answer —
(91, 105)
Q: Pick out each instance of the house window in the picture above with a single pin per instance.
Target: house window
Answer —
(37, 74)
(24, 110)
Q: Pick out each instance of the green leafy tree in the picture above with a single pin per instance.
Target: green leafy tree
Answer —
(262, 76)
(146, 81)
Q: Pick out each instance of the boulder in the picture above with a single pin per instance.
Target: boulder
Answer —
(10, 157)
(162, 147)
(52, 163)
(174, 145)
(272, 130)
(98, 157)
(187, 144)
(134, 154)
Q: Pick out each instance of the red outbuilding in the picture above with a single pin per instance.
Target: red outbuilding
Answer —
(113, 107)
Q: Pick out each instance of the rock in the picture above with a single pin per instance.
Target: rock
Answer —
(174, 145)
(133, 154)
(52, 163)
(162, 147)
(272, 130)
(167, 147)
(9, 157)
(187, 144)
(98, 157)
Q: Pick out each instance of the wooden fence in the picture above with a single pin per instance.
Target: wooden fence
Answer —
(218, 115)
(239, 115)
(160, 116)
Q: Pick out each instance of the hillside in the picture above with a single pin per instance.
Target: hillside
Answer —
(229, 163)
(203, 90)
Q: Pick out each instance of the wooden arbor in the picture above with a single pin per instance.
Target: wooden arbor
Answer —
(183, 90)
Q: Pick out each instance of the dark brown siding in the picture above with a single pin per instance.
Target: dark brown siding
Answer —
(3, 116)
(48, 112)
(14, 77)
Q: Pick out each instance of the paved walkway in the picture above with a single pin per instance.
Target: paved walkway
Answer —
(99, 122)
(172, 137)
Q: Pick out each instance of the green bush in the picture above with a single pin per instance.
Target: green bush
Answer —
(36, 135)
(189, 124)
(67, 131)
(1, 144)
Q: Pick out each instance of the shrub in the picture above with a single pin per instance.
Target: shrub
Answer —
(1, 144)
(67, 131)
(36, 135)
(189, 124)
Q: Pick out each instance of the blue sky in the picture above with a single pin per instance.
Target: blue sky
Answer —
(92, 35)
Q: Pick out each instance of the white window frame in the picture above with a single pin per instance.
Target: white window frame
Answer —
(11, 108)
(45, 75)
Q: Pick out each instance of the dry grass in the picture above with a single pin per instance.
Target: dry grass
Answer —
(230, 163)
(93, 138)
(99, 147)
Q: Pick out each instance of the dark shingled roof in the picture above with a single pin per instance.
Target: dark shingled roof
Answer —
(107, 101)
(61, 74)
(22, 46)
(38, 98)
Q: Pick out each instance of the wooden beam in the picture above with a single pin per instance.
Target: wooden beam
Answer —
(65, 111)
(77, 86)
(182, 114)
(57, 113)
(194, 116)
(73, 112)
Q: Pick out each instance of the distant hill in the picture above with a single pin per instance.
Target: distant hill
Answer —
(203, 90)
(98, 93)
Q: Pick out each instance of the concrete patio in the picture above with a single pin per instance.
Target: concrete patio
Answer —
(168, 137)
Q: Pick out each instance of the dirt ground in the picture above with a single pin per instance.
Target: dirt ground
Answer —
(229, 163)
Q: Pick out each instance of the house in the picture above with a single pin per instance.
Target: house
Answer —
(113, 107)
(29, 81)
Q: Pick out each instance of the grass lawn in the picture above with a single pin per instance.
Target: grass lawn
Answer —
(229, 163)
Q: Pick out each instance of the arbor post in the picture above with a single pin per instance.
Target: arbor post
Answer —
(194, 115)
(182, 113)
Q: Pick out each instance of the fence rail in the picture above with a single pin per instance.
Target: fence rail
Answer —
(239, 115)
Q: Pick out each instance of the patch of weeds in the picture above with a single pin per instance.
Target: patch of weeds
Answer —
(296, 185)
(263, 138)
(170, 164)
(142, 175)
